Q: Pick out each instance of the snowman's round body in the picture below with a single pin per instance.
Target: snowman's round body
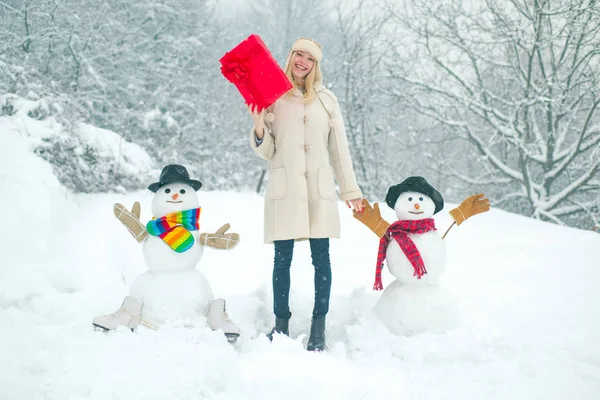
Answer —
(172, 289)
(410, 305)
(433, 251)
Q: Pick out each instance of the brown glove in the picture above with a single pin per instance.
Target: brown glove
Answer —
(131, 220)
(220, 240)
(371, 217)
(473, 205)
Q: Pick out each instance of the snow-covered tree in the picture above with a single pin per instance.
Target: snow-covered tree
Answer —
(359, 48)
(516, 86)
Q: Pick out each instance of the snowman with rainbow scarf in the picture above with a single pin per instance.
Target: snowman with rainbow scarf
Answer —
(172, 289)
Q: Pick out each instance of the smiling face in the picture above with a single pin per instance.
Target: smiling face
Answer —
(174, 197)
(302, 63)
(414, 206)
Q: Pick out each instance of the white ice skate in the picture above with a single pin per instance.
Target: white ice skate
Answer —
(128, 315)
(217, 318)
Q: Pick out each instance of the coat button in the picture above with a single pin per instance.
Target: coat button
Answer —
(306, 174)
(306, 148)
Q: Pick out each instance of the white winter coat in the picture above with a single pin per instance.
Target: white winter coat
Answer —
(305, 149)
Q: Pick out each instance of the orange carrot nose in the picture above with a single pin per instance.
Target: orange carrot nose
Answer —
(175, 196)
(417, 206)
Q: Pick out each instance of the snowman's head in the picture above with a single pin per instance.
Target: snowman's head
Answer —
(414, 199)
(174, 197)
(414, 206)
(175, 191)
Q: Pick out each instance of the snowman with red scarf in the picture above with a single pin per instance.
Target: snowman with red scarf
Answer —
(416, 256)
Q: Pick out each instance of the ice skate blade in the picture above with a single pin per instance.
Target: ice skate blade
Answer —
(100, 328)
(232, 338)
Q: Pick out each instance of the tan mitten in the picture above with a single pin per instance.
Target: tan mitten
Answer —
(131, 220)
(371, 217)
(473, 205)
(220, 240)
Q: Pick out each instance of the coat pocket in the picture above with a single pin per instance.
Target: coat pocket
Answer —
(277, 187)
(326, 184)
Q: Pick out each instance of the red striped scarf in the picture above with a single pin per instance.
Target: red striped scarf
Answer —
(174, 229)
(399, 231)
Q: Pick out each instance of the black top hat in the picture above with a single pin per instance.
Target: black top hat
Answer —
(174, 173)
(415, 184)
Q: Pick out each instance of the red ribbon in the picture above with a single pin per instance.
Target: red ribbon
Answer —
(237, 69)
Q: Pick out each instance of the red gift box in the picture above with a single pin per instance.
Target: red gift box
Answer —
(250, 66)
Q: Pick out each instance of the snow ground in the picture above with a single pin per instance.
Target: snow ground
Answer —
(527, 291)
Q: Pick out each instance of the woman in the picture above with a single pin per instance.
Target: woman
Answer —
(302, 136)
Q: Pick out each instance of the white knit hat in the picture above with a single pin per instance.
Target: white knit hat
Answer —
(309, 45)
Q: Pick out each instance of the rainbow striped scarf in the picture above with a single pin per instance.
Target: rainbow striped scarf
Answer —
(175, 228)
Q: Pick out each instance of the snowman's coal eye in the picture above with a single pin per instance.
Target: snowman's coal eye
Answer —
(167, 191)
(410, 199)
(182, 191)
(420, 199)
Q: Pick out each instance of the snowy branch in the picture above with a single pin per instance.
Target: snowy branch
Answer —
(519, 83)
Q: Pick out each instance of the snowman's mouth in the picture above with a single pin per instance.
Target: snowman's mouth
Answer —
(169, 201)
(416, 212)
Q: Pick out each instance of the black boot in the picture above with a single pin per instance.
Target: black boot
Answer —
(316, 341)
(281, 326)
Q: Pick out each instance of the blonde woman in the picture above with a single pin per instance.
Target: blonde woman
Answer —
(302, 136)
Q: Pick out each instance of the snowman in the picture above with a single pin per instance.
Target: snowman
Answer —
(416, 256)
(172, 289)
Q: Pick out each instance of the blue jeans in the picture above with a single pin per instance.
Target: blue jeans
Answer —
(284, 251)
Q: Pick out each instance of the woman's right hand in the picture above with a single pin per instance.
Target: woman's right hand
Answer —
(259, 120)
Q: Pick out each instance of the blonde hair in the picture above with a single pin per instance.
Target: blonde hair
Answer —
(313, 77)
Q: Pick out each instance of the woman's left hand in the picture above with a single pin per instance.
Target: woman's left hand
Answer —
(356, 204)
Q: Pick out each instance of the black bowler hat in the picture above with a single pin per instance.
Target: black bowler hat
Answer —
(415, 184)
(174, 173)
